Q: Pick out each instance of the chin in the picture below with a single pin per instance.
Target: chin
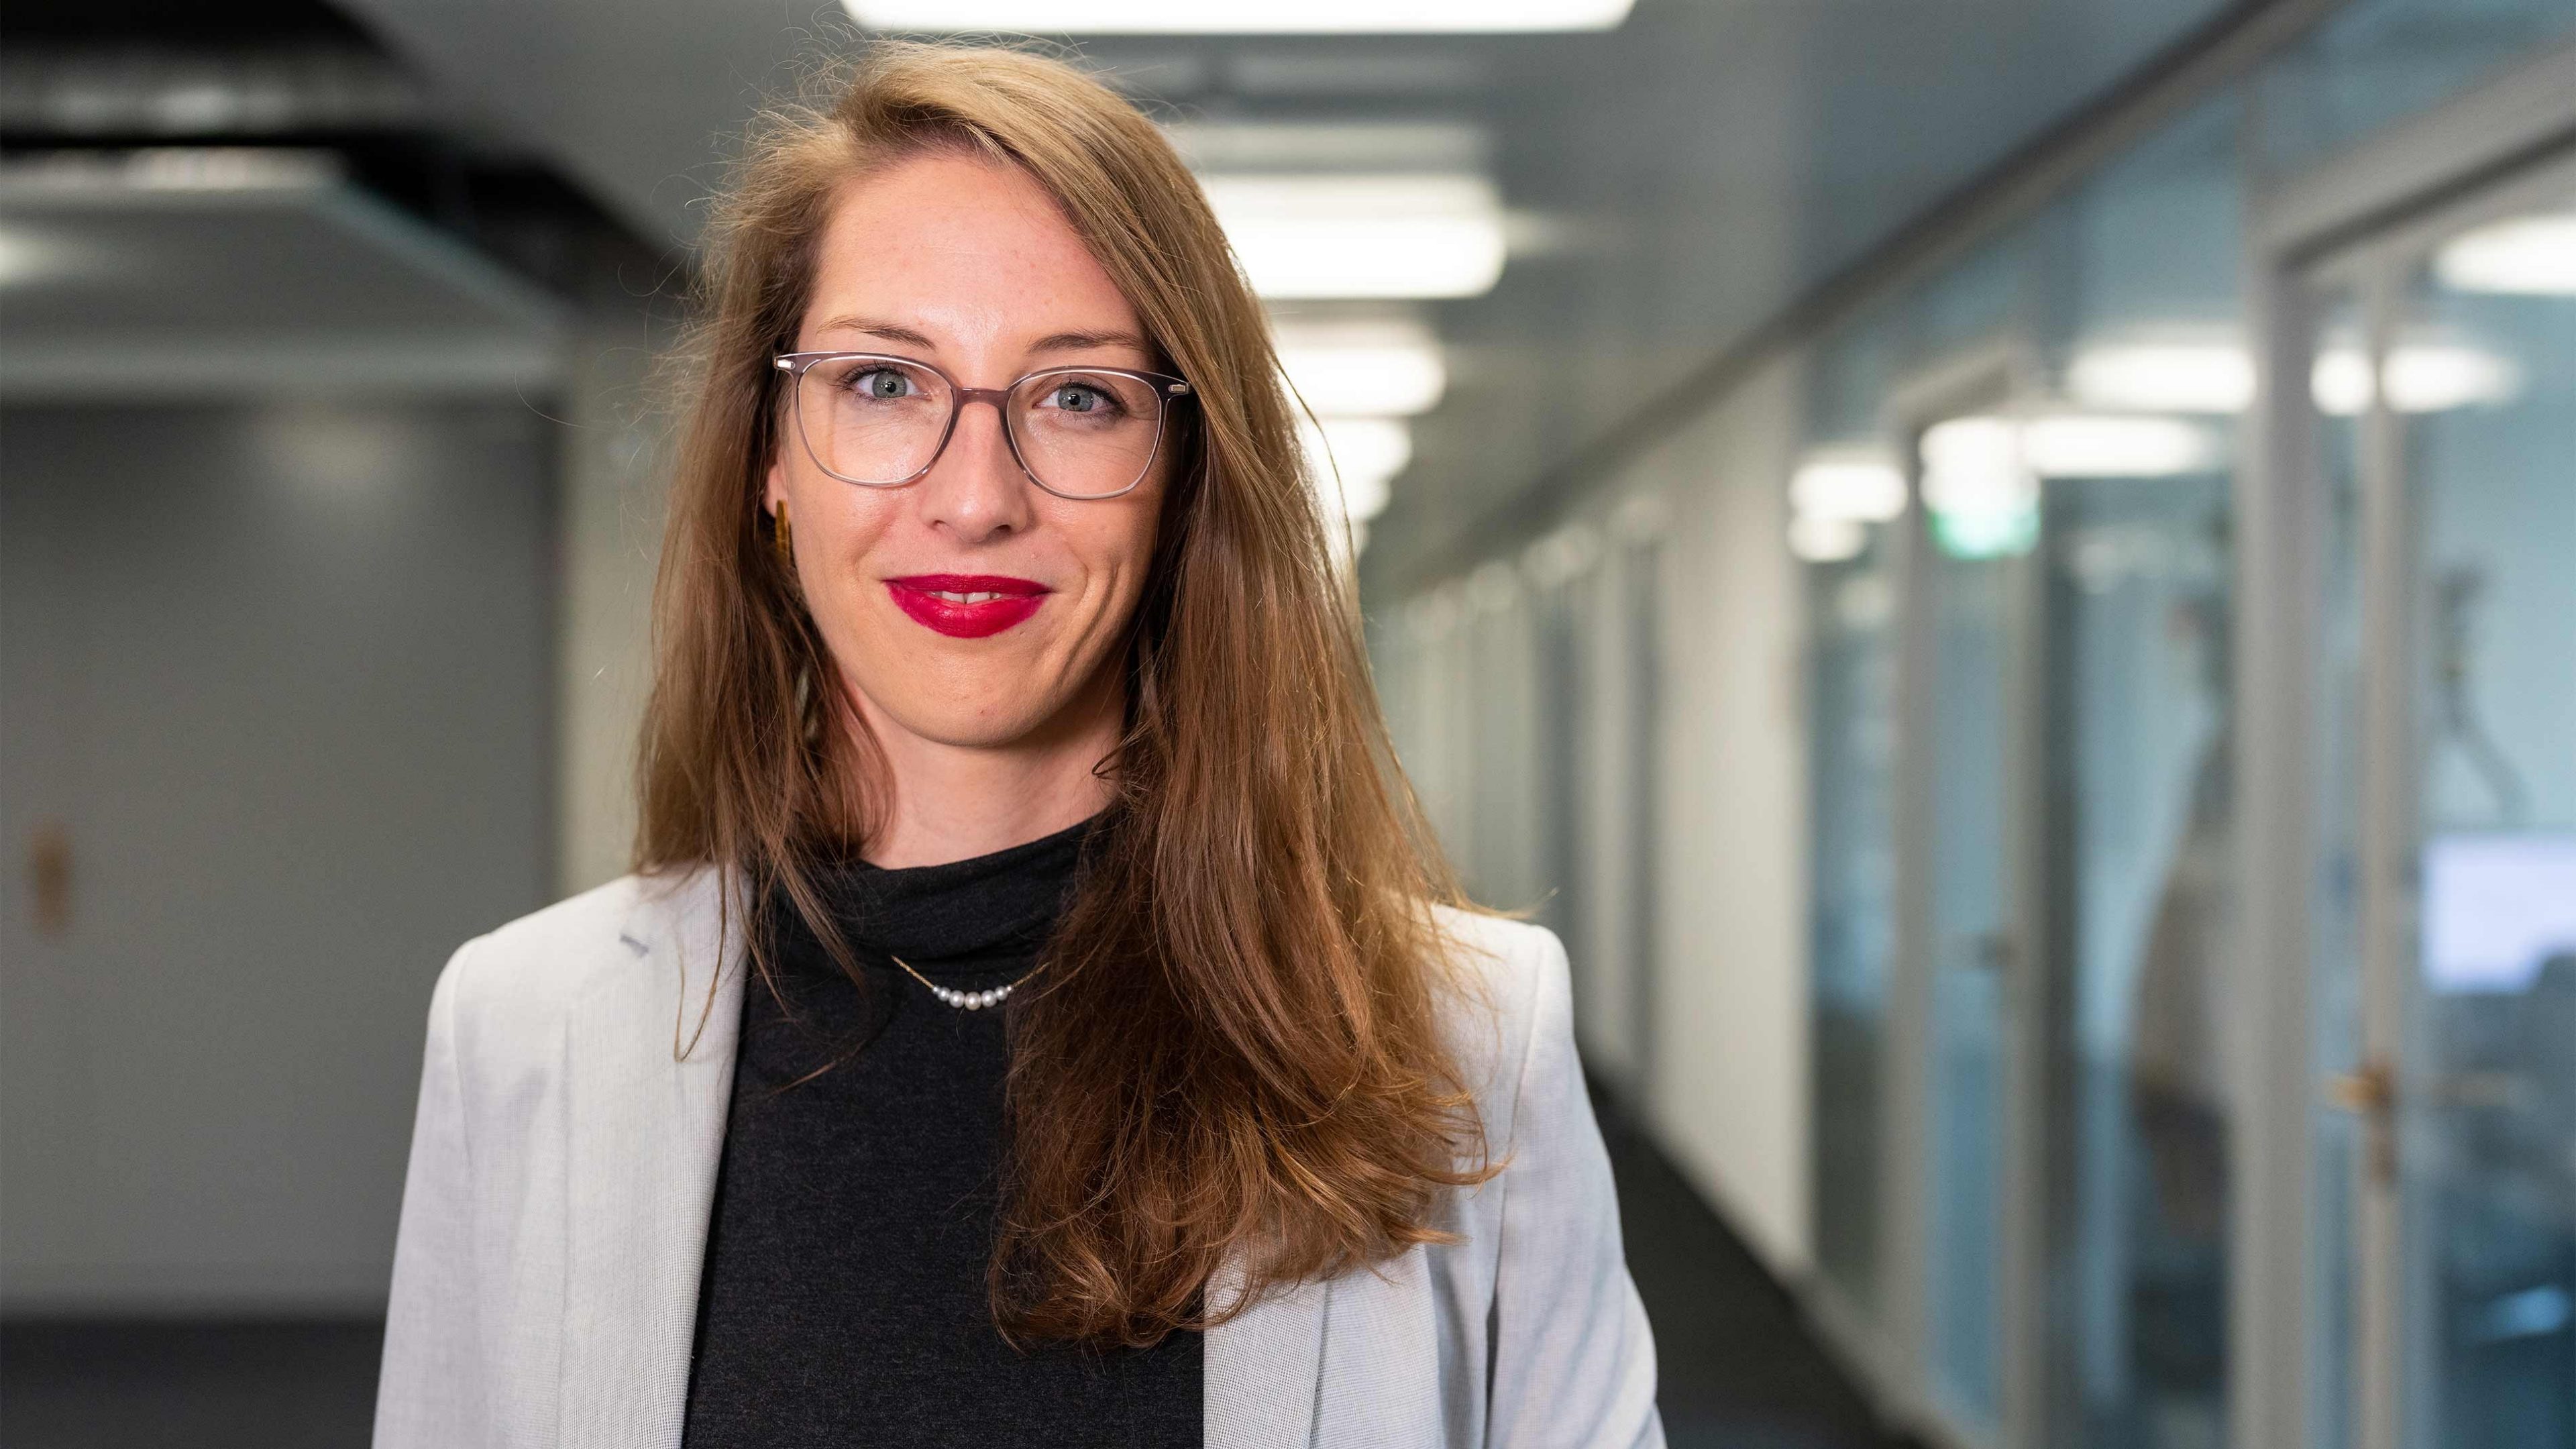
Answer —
(977, 719)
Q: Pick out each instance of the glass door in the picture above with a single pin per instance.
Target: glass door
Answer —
(2487, 1133)
(1971, 899)
(2447, 392)
(2140, 765)
(1970, 954)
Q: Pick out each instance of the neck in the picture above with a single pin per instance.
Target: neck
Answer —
(953, 802)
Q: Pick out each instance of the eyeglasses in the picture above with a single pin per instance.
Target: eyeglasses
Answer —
(880, 421)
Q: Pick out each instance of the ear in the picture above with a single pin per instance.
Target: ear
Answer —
(774, 491)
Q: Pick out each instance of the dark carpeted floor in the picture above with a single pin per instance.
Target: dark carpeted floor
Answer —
(111, 1385)
(1739, 1366)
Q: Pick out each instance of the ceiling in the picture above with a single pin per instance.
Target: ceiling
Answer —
(219, 273)
(1672, 183)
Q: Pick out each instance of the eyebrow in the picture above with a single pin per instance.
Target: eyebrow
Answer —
(890, 331)
(1077, 341)
(1052, 342)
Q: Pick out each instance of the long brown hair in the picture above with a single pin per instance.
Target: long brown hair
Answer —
(1236, 1041)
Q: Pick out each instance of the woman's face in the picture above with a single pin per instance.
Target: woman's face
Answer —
(967, 265)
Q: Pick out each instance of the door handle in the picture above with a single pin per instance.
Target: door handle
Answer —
(49, 877)
(2371, 1094)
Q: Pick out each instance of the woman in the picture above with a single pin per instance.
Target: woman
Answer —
(1038, 1015)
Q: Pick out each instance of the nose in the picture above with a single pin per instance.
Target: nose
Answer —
(975, 491)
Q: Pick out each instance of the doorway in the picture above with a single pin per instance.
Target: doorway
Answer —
(2439, 349)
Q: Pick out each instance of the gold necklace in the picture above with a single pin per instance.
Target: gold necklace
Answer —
(962, 1000)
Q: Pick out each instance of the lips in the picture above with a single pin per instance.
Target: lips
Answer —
(967, 606)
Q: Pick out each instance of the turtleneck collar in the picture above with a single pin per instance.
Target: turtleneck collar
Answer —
(963, 915)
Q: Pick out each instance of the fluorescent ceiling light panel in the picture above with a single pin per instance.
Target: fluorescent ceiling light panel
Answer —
(2341, 382)
(1820, 538)
(170, 168)
(2531, 255)
(2422, 377)
(1862, 485)
(1959, 491)
(2436, 377)
(1363, 369)
(2218, 377)
(1975, 463)
(1400, 147)
(1241, 17)
(2164, 377)
(1362, 497)
(1361, 456)
(1990, 464)
(2114, 446)
(1383, 236)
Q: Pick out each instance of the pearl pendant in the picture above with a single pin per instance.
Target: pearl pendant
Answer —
(971, 1000)
(961, 1000)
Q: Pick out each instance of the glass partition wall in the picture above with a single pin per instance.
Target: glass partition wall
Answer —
(2036, 1051)
(1852, 689)
(2031, 1004)
(2189, 610)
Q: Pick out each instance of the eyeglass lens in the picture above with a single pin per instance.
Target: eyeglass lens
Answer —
(880, 420)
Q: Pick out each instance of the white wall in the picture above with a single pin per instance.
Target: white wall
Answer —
(1727, 1034)
(613, 471)
(1729, 1092)
(1609, 1005)
(1722, 1039)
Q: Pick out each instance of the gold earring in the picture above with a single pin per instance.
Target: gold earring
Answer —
(780, 537)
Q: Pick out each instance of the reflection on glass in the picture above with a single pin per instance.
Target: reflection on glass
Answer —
(2488, 1094)
(2335, 971)
(2137, 676)
(1969, 904)
(1853, 606)
(2137, 453)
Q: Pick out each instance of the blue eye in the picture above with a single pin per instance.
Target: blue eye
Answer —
(1073, 397)
(882, 382)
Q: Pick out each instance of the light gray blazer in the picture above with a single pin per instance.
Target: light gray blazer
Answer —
(563, 1163)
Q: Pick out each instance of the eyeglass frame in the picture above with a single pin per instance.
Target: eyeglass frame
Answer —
(1168, 389)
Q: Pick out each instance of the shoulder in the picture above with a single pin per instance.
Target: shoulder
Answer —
(1508, 1004)
(513, 986)
(1513, 960)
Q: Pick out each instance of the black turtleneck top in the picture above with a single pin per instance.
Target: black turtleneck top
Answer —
(843, 1299)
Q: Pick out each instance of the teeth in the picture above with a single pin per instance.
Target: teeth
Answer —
(965, 598)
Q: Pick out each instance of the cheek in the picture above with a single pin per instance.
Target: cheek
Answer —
(836, 536)
(842, 523)
(1117, 550)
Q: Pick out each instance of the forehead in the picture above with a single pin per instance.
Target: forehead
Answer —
(968, 250)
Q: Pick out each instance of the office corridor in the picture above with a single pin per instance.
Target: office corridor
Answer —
(1994, 571)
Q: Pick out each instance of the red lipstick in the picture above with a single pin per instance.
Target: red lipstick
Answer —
(967, 606)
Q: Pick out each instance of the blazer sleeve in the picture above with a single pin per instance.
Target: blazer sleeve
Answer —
(1574, 1361)
(429, 1394)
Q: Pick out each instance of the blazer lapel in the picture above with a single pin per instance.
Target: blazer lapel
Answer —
(1263, 1366)
(647, 1131)
(647, 1134)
